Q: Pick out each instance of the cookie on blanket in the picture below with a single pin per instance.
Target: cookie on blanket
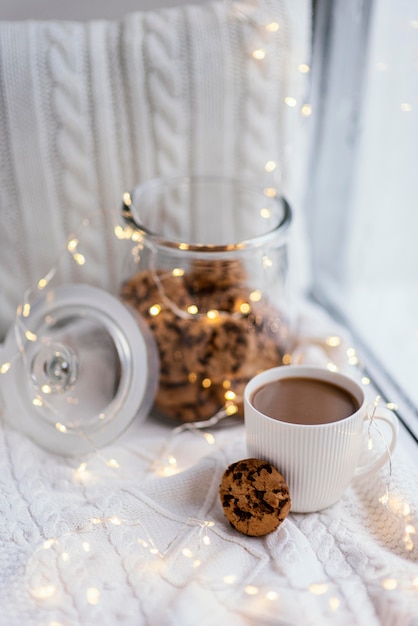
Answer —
(254, 496)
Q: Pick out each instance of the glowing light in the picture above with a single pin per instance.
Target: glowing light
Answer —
(406, 107)
(384, 499)
(96, 520)
(184, 246)
(365, 380)
(273, 27)
(119, 232)
(272, 595)
(115, 520)
(229, 579)
(267, 262)
(192, 377)
(318, 589)
(154, 310)
(231, 409)
(113, 463)
(4, 367)
(30, 336)
(93, 595)
(79, 258)
(196, 563)
(406, 509)
(353, 360)
(206, 540)
(332, 367)
(206, 383)
(245, 308)
(334, 603)
(72, 245)
(86, 546)
(270, 192)
(226, 384)
(259, 54)
(270, 166)
(43, 593)
(192, 309)
(392, 405)
(42, 283)
(46, 389)
(127, 198)
(230, 395)
(415, 582)
(172, 460)
(414, 23)
(65, 556)
(26, 310)
(255, 296)
(210, 439)
(212, 314)
(334, 341)
(265, 213)
(49, 543)
(390, 584)
(306, 110)
(82, 468)
(187, 553)
(287, 359)
(61, 427)
(303, 68)
(410, 529)
(350, 352)
(251, 590)
(178, 271)
(291, 102)
(370, 444)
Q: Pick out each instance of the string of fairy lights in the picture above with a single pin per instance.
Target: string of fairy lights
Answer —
(60, 552)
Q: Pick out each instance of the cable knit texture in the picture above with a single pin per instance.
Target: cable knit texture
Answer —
(134, 534)
(89, 110)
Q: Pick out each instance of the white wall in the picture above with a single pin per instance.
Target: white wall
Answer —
(78, 9)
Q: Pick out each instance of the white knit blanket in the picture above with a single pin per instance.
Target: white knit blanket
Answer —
(134, 534)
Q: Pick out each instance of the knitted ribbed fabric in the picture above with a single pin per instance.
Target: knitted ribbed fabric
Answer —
(89, 110)
(134, 535)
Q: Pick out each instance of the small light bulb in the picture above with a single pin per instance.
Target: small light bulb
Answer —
(291, 102)
(154, 310)
(272, 27)
(318, 589)
(93, 595)
(259, 54)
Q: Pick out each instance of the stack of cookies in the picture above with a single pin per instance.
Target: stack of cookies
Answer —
(213, 334)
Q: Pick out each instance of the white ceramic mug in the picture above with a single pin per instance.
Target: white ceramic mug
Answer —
(317, 460)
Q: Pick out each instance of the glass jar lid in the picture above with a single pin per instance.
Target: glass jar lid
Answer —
(80, 366)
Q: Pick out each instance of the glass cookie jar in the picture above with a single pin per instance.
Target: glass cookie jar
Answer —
(209, 274)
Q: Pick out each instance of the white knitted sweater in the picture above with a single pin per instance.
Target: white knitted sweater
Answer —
(88, 110)
(133, 534)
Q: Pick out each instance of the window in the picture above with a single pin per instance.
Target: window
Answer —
(362, 204)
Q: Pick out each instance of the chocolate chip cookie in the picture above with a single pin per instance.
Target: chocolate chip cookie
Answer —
(254, 496)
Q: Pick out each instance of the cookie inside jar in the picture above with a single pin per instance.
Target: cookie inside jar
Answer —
(214, 331)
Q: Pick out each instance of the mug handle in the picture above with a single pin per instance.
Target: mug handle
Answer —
(387, 416)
